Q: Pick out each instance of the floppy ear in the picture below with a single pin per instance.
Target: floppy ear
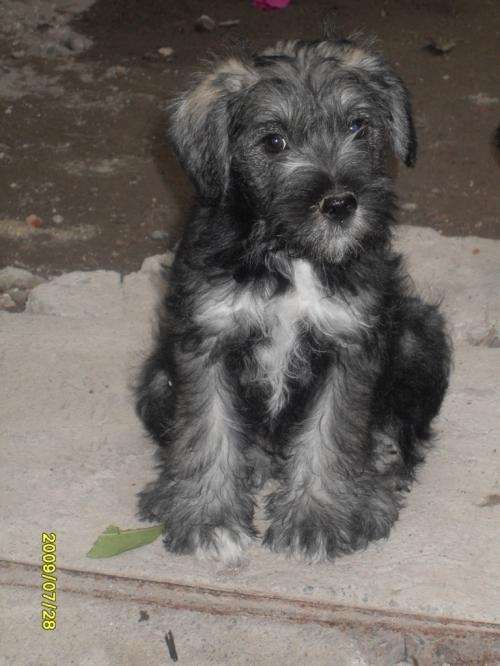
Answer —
(390, 90)
(199, 127)
(401, 128)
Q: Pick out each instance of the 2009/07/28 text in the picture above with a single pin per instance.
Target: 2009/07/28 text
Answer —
(49, 581)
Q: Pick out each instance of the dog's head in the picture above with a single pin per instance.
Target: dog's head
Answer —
(299, 134)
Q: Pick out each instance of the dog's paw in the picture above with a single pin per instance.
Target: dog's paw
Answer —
(338, 524)
(317, 542)
(223, 545)
(308, 540)
(193, 536)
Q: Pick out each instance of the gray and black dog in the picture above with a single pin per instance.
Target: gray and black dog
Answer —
(290, 346)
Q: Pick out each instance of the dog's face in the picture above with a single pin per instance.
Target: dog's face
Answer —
(298, 137)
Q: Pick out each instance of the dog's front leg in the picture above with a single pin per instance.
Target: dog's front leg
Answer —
(203, 490)
(330, 501)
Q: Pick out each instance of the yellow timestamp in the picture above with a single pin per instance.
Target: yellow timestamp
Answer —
(49, 581)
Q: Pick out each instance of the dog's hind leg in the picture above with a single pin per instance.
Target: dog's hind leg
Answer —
(204, 490)
(410, 391)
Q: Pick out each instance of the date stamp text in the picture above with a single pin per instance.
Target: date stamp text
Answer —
(49, 581)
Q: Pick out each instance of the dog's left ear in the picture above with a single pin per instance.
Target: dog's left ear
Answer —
(401, 128)
(199, 127)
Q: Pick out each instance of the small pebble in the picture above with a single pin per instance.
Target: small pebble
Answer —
(204, 24)
(438, 47)
(19, 296)
(115, 71)
(166, 52)
(159, 234)
(57, 219)
(34, 221)
(409, 207)
(229, 24)
(77, 43)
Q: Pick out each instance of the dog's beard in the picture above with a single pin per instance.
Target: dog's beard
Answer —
(308, 234)
(321, 239)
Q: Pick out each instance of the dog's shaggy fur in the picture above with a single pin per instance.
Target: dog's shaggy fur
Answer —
(289, 344)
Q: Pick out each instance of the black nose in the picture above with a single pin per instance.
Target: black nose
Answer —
(339, 207)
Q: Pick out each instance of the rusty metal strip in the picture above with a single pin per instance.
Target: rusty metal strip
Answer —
(217, 601)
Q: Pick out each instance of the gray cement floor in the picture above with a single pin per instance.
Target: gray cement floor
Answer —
(73, 456)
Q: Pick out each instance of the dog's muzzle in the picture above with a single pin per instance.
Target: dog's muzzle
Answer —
(338, 208)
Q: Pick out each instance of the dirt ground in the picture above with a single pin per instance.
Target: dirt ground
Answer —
(82, 122)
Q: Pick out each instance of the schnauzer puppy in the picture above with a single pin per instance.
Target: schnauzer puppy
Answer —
(290, 345)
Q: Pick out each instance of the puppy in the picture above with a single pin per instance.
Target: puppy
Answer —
(289, 345)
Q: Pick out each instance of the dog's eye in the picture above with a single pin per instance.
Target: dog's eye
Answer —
(274, 143)
(358, 126)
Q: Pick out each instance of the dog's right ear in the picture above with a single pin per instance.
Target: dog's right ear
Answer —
(199, 127)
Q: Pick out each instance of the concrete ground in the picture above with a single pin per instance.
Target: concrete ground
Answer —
(73, 456)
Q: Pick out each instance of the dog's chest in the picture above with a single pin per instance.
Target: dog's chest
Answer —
(281, 354)
(277, 326)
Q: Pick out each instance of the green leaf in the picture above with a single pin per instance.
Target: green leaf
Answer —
(114, 541)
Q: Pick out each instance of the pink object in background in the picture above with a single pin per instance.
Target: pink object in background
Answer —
(271, 4)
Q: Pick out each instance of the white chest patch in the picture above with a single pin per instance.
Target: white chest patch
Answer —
(306, 304)
(278, 356)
